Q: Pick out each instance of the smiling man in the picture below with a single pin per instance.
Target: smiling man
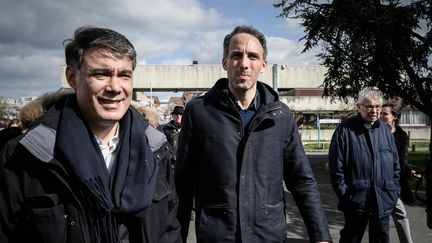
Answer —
(364, 171)
(237, 146)
(86, 173)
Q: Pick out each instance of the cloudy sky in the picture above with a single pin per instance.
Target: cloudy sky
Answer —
(162, 31)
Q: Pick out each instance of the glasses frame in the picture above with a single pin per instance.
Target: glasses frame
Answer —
(371, 107)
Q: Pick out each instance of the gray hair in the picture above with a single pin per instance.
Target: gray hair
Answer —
(369, 93)
(248, 30)
(88, 37)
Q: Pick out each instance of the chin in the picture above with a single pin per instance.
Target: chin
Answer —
(113, 116)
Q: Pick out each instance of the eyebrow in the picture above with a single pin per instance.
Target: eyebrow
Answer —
(107, 71)
(238, 51)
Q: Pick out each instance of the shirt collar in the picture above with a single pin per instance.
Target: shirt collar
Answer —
(254, 104)
(113, 141)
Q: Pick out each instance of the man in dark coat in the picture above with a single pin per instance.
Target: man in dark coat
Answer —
(237, 146)
(86, 172)
(364, 171)
(172, 128)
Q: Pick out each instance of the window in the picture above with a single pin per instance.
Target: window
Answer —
(413, 117)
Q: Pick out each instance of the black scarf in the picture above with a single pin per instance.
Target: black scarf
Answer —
(128, 191)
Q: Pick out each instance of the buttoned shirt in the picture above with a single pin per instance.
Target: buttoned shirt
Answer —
(109, 151)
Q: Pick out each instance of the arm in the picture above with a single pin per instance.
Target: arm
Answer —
(336, 162)
(301, 183)
(403, 142)
(396, 161)
(184, 173)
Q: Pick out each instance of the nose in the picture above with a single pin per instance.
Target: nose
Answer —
(114, 85)
(244, 63)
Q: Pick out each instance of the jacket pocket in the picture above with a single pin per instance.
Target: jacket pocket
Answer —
(270, 224)
(386, 154)
(43, 220)
(390, 195)
(217, 223)
(358, 190)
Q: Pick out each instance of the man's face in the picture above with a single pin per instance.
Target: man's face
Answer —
(370, 110)
(177, 118)
(103, 86)
(244, 62)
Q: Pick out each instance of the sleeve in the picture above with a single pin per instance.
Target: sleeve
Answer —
(10, 194)
(403, 154)
(301, 183)
(396, 161)
(184, 172)
(336, 160)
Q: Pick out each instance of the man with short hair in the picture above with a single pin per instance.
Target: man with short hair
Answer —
(237, 146)
(364, 171)
(86, 173)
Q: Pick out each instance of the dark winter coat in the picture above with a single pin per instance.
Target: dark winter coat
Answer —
(172, 133)
(38, 200)
(402, 142)
(160, 223)
(236, 175)
(359, 175)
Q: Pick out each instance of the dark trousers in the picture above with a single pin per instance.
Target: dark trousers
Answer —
(355, 226)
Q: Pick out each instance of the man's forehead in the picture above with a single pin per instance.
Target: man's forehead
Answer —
(373, 100)
(105, 58)
(247, 41)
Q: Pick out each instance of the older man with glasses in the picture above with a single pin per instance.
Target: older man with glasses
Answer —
(364, 171)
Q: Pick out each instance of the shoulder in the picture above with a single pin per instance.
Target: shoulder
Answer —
(349, 122)
(401, 132)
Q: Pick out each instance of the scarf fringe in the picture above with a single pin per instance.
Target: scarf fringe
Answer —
(100, 193)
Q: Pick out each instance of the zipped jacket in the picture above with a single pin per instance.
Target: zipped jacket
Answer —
(236, 175)
(364, 167)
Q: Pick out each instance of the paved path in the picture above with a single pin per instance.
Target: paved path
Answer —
(297, 232)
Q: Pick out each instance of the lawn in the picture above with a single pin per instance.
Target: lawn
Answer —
(418, 159)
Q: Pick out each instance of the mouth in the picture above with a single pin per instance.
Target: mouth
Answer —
(243, 74)
(109, 102)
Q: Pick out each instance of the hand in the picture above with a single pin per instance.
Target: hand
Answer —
(415, 174)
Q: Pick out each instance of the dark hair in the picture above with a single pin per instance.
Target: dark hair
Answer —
(394, 111)
(248, 30)
(88, 37)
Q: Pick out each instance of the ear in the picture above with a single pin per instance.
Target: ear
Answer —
(264, 66)
(224, 63)
(71, 77)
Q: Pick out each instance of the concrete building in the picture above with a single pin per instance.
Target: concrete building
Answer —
(299, 87)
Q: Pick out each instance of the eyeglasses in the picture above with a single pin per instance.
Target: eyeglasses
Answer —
(370, 107)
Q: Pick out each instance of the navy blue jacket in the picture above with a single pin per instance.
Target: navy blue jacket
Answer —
(359, 175)
(236, 175)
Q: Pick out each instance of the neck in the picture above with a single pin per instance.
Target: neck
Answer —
(244, 97)
(105, 133)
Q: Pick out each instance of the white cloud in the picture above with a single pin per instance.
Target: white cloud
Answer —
(285, 51)
(168, 31)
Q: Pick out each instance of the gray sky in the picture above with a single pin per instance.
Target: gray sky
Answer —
(163, 32)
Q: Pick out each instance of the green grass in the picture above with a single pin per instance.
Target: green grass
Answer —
(314, 146)
(418, 159)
